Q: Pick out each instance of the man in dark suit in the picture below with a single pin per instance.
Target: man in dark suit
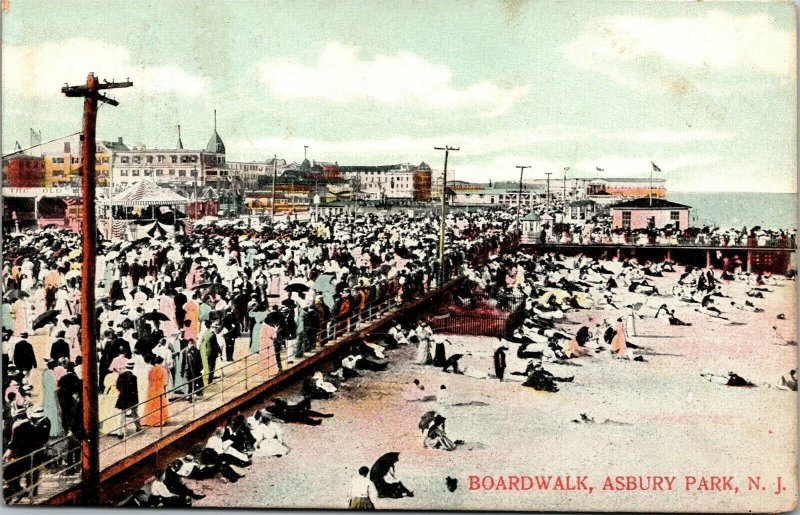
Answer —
(192, 370)
(60, 348)
(24, 358)
(128, 400)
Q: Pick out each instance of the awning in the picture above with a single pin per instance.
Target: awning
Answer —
(147, 193)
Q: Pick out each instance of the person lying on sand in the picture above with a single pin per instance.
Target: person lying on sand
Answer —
(732, 379)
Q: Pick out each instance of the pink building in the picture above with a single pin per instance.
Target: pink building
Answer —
(639, 213)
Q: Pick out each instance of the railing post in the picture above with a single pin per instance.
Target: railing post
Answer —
(246, 372)
(161, 414)
(222, 382)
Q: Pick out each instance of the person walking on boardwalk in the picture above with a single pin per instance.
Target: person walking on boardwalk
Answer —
(192, 370)
(128, 399)
(209, 352)
(156, 408)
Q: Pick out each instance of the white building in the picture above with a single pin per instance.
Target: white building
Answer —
(506, 197)
(390, 182)
(179, 169)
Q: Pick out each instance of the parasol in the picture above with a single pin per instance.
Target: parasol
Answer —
(48, 317)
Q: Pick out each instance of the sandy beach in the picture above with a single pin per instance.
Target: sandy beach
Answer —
(667, 421)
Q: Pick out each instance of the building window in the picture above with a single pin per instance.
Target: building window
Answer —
(172, 173)
(123, 159)
(136, 159)
(626, 219)
(184, 159)
(181, 173)
(674, 216)
(123, 173)
(149, 159)
(174, 159)
(159, 173)
(135, 173)
(160, 159)
(148, 173)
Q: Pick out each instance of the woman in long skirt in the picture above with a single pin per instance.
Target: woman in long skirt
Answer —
(267, 363)
(167, 308)
(50, 400)
(108, 417)
(155, 409)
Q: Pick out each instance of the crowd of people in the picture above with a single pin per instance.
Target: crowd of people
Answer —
(173, 309)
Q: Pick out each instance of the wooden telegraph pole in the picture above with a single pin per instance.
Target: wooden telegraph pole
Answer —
(447, 150)
(90, 470)
(519, 197)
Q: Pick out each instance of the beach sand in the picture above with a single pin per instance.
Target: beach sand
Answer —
(678, 424)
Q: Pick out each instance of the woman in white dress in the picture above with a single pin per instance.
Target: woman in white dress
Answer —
(268, 435)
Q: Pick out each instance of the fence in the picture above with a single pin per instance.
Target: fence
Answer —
(478, 314)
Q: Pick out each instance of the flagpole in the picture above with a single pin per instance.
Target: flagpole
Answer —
(650, 192)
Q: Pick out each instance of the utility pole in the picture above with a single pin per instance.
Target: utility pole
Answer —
(519, 196)
(305, 152)
(447, 150)
(547, 202)
(274, 178)
(564, 192)
(90, 449)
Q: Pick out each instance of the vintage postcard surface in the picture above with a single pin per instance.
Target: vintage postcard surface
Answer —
(486, 255)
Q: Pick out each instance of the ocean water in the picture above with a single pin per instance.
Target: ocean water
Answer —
(726, 210)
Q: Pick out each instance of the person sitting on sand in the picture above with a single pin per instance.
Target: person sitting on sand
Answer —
(789, 380)
(436, 437)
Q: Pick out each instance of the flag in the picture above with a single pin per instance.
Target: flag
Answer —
(36, 138)
(655, 167)
(599, 169)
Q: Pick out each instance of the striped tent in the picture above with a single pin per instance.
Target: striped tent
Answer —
(147, 193)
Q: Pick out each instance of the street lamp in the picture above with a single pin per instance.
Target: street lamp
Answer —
(194, 178)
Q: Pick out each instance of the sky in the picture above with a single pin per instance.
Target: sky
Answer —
(706, 90)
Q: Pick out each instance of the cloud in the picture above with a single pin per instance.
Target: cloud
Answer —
(642, 52)
(342, 76)
(41, 70)
(402, 148)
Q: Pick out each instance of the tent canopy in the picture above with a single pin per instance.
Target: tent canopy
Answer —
(147, 193)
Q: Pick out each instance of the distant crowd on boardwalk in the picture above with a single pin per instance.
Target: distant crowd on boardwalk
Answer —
(172, 310)
(602, 233)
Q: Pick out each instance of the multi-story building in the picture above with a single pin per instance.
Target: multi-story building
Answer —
(62, 161)
(403, 182)
(182, 170)
(249, 172)
(23, 171)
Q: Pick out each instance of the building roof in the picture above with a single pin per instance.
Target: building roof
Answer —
(582, 202)
(215, 144)
(647, 203)
(531, 217)
(626, 179)
(147, 193)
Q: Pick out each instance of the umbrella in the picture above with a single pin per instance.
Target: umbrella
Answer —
(72, 274)
(297, 288)
(156, 316)
(48, 317)
(382, 466)
(112, 255)
(426, 419)
(16, 294)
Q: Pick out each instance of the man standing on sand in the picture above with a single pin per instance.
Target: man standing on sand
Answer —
(500, 361)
